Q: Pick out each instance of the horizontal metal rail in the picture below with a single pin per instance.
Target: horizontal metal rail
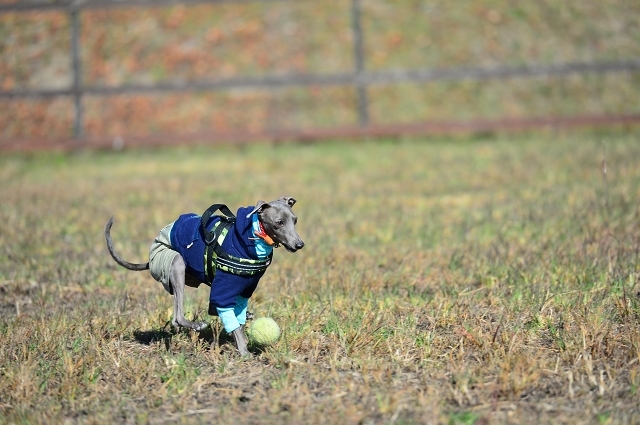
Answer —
(365, 78)
(26, 6)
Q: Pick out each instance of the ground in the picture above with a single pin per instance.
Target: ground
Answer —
(467, 280)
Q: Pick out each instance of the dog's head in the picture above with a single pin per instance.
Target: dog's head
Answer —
(279, 221)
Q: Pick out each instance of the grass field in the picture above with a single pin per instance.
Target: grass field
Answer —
(465, 281)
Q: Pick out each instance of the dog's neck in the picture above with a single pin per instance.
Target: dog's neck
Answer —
(263, 235)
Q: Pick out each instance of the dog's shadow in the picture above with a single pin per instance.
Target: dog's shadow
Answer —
(209, 336)
(153, 336)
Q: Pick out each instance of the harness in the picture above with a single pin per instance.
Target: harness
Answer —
(215, 257)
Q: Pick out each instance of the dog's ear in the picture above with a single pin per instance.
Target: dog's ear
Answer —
(259, 206)
(287, 200)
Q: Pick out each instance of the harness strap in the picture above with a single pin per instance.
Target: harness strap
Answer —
(215, 257)
(207, 215)
(212, 250)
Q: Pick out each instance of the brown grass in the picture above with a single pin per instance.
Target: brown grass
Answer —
(462, 281)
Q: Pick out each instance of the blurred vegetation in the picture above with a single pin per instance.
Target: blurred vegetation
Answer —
(180, 43)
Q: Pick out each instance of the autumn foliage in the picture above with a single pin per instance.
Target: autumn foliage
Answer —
(154, 45)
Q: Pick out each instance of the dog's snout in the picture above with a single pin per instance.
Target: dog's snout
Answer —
(299, 245)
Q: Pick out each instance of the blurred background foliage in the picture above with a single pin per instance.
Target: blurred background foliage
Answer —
(147, 45)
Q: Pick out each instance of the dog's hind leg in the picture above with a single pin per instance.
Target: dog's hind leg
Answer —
(177, 279)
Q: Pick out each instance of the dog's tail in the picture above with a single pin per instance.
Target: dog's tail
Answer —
(123, 263)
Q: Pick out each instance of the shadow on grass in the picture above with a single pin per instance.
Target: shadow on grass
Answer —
(257, 350)
(154, 335)
(166, 334)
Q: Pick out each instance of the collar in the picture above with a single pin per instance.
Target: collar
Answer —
(258, 231)
(262, 234)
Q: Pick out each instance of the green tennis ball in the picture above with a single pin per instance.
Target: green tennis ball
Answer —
(264, 331)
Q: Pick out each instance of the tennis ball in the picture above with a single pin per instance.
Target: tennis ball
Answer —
(264, 331)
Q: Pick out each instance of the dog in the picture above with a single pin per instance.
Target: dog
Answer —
(228, 252)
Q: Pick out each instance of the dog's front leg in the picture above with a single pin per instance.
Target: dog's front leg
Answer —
(241, 341)
(177, 279)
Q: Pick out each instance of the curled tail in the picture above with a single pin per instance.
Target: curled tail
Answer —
(123, 263)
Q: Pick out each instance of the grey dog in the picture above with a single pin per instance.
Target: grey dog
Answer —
(230, 253)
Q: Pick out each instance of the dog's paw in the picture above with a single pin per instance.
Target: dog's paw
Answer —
(246, 357)
(200, 326)
(196, 326)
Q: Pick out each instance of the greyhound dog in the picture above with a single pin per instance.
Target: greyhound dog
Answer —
(229, 253)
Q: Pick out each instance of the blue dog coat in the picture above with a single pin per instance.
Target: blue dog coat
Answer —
(229, 292)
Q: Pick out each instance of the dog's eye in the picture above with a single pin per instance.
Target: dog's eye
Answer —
(280, 223)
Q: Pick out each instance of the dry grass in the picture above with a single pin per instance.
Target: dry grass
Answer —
(469, 281)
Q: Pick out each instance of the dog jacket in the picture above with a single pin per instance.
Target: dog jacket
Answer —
(240, 242)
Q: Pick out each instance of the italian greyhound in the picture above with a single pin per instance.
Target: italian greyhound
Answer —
(177, 258)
